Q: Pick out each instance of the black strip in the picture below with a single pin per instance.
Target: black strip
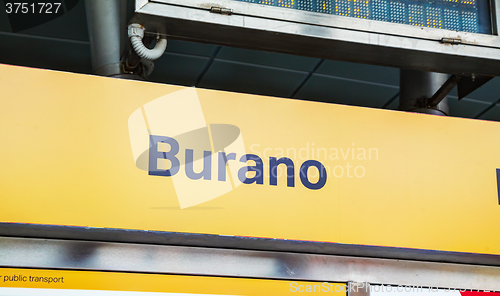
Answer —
(498, 185)
(390, 100)
(307, 77)
(234, 242)
(207, 66)
(487, 109)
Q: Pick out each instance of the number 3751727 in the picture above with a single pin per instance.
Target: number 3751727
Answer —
(32, 8)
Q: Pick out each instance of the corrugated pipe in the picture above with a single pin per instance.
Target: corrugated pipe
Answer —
(136, 33)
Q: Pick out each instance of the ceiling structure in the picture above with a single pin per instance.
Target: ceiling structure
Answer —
(63, 44)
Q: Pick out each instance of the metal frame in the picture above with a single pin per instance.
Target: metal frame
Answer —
(237, 242)
(325, 36)
(142, 258)
(341, 22)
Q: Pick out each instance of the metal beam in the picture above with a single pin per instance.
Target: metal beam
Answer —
(443, 91)
(236, 242)
(143, 258)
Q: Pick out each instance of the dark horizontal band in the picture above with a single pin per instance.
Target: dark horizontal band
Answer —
(237, 242)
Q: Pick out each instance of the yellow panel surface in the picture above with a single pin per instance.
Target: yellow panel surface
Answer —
(154, 283)
(71, 146)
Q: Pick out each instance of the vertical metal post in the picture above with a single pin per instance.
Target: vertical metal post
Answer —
(416, 87)
(107, 25)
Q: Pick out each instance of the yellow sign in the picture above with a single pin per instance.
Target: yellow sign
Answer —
(100, 152)
(29, 282)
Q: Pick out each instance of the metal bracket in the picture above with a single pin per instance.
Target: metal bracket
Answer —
(443, 91)
(465, 85)
(470, 84)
